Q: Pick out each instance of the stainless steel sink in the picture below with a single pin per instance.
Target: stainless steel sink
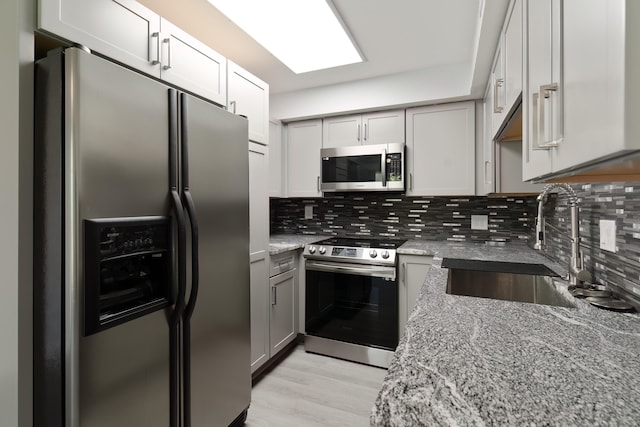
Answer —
(505, 285)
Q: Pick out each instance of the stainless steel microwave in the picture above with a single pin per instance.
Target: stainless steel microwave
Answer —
(363, 168)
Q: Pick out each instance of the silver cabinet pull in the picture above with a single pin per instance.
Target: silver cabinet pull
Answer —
(167, 40)
(155, 61)
(404, 273)
(498, 83)
(232, 106)
(358, 134)
(366, 133)
(273, 295)
(318, 184)
(410, 181)
(487, 167)
(541, 128)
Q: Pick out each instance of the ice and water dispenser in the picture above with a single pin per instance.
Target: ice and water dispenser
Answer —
(127, 265)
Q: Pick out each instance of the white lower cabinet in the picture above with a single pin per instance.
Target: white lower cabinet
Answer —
(441, 150)
(259, 276)
(413, 270)
(282, 322)
(274, 306)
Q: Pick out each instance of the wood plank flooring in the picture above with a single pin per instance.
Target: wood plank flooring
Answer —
(311, 390)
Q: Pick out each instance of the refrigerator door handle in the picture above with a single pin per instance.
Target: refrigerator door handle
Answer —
(181, 255)
(193, 295)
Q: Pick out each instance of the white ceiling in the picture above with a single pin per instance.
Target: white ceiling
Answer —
(394, 37)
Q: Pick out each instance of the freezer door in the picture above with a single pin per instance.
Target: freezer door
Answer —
(116, 145)
(218, 180)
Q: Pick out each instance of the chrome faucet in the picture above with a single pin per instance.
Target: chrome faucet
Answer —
(577, 273)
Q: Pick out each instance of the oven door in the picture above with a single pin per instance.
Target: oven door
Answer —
(352, 303)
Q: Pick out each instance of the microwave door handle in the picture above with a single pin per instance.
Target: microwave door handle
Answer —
(384, 167)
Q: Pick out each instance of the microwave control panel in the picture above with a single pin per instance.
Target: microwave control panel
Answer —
(394, 167)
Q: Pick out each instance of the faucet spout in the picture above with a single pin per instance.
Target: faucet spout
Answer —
(577, 273)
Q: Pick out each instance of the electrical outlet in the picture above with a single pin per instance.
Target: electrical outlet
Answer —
(479, 222)
(308, 211)
(608, 235)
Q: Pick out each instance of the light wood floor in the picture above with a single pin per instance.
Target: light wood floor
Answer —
(307, 390)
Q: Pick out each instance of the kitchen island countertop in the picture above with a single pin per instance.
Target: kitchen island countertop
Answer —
(476, 361)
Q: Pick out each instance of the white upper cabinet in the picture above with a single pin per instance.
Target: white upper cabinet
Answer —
(512, 48)
(385, 127)
(582, 97)
(249, 96)
(542, 73)
(123, 30)
(441, 150)
(192, 65)
(486, 184)
(304, 141)
(506, 80)
(276, 160)
(128, 32)
(498, 90)
(341, 131)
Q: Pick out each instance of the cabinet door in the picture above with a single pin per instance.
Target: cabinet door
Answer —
(386, 127)
(487, 185)
(249, 96)
(343, 131)
(192, 65)
(258, 198)
(513, 54)
(441, 149)
(123, 30)
(258, 253)
(276, 175)
(593, 87)
(542, 68)
(282, 325)
(259, 277)
(413, 270)
(498, 86)
(304, 140)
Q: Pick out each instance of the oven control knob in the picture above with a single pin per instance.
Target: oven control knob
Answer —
(385, 254)
(322, 250)
(312, 250)
(373, 253)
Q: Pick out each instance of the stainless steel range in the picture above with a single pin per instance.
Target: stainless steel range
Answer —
(351, 295)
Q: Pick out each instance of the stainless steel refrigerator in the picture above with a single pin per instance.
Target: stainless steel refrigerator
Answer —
(141, 281)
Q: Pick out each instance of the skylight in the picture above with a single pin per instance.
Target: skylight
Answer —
(305, 35)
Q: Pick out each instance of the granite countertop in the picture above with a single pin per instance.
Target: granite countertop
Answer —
(279, 243)
(477, 361)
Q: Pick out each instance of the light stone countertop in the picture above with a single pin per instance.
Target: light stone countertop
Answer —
(475, 361)
(279, 243)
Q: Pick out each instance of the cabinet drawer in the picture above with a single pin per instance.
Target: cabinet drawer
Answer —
(281, 263)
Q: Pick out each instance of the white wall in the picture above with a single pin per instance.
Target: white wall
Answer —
(449, 83)
(16, 87)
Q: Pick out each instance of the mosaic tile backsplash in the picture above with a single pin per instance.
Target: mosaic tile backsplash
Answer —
(611, 201)
(432, 218)
(510, 219)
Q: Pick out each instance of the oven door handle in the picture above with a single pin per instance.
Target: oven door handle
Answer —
(356, 269)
